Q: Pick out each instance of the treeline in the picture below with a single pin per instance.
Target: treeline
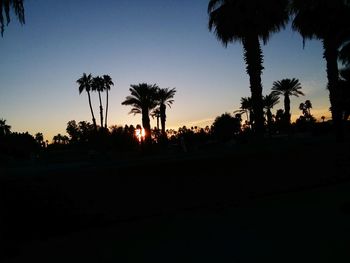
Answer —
(82, 137)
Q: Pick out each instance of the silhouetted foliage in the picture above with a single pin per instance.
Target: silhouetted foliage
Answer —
(39, 138)
(18, 145)
(4, 128)
(123, 138)
(82, 132)
(225, 127)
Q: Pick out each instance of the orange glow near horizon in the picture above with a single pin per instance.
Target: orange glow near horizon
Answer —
(140, 134)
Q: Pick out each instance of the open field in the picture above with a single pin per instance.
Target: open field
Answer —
(275, 192)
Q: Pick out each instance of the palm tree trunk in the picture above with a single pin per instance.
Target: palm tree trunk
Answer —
(331, 56)
(101, 109)
(254, 58)
(162, 118)
(92, 112)
(106, 108)
(269, 118)
(247, 114)
(287, 109)
(146, 125)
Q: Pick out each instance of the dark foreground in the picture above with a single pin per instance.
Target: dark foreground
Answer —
(282, 202)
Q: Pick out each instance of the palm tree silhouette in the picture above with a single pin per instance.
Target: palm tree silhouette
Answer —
(156, 114)
(85, 83)
(143, 99)
(249, 21)
(329, 22)
(107, 86)
(287, 88)
(164, 97)
(4, 128)
(99, 86)
(269, 102)
(247, 108)
(5, 11)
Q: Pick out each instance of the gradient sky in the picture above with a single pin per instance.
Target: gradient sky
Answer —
(166, 42)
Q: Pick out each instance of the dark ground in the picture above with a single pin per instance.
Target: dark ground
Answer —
(282, 200)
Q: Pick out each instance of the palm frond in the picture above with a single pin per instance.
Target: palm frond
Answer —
(5, 6)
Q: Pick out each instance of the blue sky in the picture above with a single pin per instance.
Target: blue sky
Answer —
(166, 42)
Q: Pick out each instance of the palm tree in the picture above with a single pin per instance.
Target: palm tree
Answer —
(143, 99)
(99, 86)
(5, 11)
(107, 86)
(156, 114)
(287, 88)
(247, 108)
(249, 21)
(85, 83)
(328, 21)
(164, 97)
(269, 102)
(4, 128)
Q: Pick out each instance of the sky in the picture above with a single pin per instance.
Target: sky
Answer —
(163, 42)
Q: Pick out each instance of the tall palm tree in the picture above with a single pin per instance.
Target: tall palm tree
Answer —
(85, 83)
(287, 88)
(143, 99)
(5, 11)
(328, 21)
(269, 102)
(4, 128)
(249, 21)
(107, 86)
(99, 86)
(164, 97)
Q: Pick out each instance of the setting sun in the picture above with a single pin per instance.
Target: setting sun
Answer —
(140, 134)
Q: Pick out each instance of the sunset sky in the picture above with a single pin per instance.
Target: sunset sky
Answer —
(166, 42)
